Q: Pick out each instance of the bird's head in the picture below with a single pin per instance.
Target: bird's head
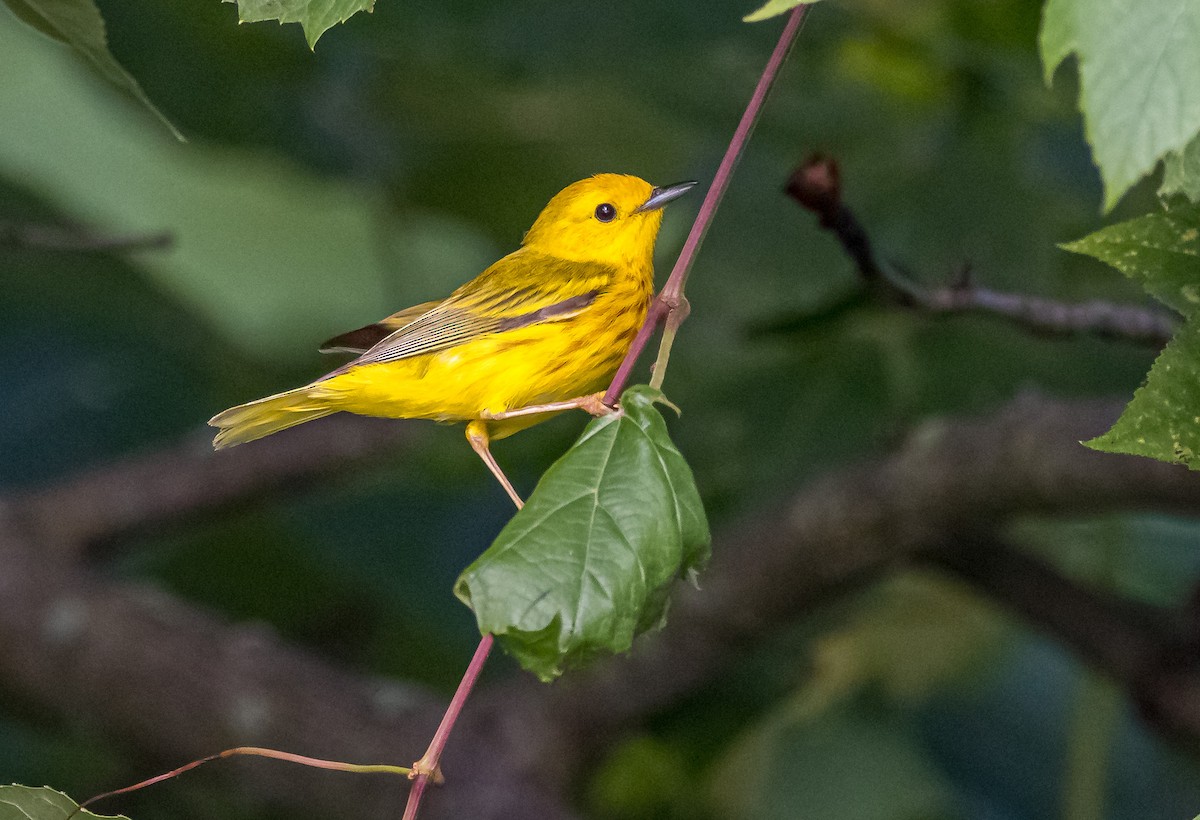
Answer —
(609, 218)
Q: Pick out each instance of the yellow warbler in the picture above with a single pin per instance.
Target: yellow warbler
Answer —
(531, 335)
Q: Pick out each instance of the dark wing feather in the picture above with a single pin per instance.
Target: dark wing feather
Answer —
(362, 339)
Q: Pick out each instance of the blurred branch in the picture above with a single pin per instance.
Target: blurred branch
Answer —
(26, 235)
(1152, 651)
(74, 643)
(190, 478)
(816, 185)
(178, 684)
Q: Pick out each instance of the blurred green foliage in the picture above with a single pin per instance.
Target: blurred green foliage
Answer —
(79, 24)
(320, 191)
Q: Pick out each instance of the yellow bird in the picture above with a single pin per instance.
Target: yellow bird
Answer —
(538, 332)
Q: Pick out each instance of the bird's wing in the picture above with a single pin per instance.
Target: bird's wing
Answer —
(520, 290)
(364, 338)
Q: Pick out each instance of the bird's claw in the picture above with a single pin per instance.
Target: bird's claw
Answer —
(594, 404)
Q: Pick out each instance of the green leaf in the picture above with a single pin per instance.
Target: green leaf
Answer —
(1163, 420)
(587, 564)
(28, 803)
(1138, 64)
(1181, 172)
(78, 24)
(315, 16)
(1162, 251)
(774, 8)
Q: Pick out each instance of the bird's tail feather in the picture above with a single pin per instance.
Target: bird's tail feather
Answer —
(251, 421)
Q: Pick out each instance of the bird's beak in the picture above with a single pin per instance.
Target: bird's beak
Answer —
(661, 196)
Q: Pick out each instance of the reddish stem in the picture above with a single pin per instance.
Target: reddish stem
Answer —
(664, 307)
(658, 310)
(671, 296)
(255, 751)
(427, 766)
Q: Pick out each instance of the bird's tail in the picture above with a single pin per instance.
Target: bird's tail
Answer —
(251, 421)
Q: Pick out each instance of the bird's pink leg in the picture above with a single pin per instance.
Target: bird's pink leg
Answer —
(477, 435)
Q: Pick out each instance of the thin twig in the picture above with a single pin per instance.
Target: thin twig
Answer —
(670, 305)
(427, 767)
(252, 751)
(817, 186)
(671, 299)
(27, 235)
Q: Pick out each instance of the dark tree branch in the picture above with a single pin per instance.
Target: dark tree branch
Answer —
(171, 484)
(816, 185)
(182, 684)
(1153, 652)
(62, 239)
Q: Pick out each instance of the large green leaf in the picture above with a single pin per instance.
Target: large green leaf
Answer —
(1138, 64)
(1181, 172)
(78, 24)
(1162, 252)
(315, 16)
(28, 803)
(774, 8)
(587, 564)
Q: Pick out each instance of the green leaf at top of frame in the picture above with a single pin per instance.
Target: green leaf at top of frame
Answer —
(44, 803)
(1138, 64)
(774, 8)
(1162, 252)
(587, 565)
(315, 16)
(78, 23)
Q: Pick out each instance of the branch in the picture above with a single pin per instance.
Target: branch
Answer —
(178, 482)
(817, 186)
(181, 684)
(1153, 652)
(25, 235)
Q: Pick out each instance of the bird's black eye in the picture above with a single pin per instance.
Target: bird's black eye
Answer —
(606, 212)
